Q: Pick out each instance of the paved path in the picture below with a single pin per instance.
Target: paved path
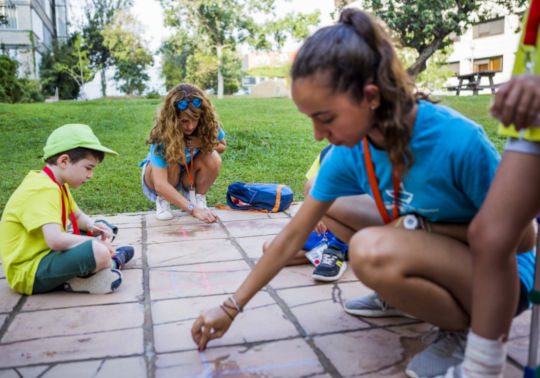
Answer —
(294, 327)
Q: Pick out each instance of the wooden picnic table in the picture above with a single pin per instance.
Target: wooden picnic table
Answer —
(472, 82)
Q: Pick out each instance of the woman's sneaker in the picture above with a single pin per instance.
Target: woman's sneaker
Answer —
(123, 255)
(332, 265)
(446, 350)
(163, 209)
(371, 305)
(103, 282)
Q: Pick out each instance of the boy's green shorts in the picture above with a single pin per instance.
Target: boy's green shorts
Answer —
(58, 267)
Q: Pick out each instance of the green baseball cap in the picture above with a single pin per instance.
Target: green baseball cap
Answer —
(71, 136)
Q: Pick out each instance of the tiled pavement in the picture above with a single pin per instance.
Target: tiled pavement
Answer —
(294, 327)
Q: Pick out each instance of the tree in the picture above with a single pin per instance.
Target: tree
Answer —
(123, 37)
(221, 25)
(81, 72)
(100, 13)
(53, 76)
(426, 25)
(3, 20)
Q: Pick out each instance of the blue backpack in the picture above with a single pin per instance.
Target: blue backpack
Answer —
(261, 197)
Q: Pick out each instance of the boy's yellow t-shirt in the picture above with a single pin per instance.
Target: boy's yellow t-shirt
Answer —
(34, 203)
(525, 53)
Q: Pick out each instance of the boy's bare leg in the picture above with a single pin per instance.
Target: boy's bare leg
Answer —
(511, 203)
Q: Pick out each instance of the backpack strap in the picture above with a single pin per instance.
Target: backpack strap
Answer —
(278, 199)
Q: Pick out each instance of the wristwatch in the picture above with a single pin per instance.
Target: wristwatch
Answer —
(191, 208)
(412, 222)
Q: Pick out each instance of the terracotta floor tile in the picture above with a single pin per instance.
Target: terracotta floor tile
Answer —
(198, 279)
(117, 367)
(300, 275)
(290, 358)
(179, 232)
(129, 291)
(255, 227)
(191, 252)
(8, 297)
(180, 218)
(67, 348)
(227, 215)
(73, 321)
(123, 221)
(128, 236)
(252, 245)
(374, 352)
(176, 335)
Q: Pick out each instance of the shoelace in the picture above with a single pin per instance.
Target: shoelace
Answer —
(381, 303)
(441, 334)
(328, 259)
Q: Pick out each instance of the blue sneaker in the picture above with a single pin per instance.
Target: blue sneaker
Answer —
(123, 255)
(332, 265)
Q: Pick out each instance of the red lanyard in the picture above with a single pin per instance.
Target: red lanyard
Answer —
(189, 171)
(63, 191)
(533, 21)
(375, 187)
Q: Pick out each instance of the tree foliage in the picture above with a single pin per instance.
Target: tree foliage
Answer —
(219, 26)
(131, 57)
(81, 71)
(13, 89)
(99, 13)
(425, 25)
(52, 72)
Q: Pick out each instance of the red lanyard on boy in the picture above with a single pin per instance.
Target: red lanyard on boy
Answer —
(375, 187)
(63, 191)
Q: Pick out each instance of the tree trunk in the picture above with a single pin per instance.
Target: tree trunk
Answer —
(420, 64)
(103, 82)
(219, 74)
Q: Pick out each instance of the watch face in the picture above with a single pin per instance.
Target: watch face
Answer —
(410, 222)
(191, 207)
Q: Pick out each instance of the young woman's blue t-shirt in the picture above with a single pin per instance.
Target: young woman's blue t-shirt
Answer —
(454, 164)
(156, 159)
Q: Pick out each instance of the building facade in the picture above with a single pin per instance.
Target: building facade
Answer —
(29, 29)
(487, 46)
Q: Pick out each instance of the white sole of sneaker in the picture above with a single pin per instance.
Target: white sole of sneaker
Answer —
(377, 313)
(164, 216)
(330, 279)
(103, 282)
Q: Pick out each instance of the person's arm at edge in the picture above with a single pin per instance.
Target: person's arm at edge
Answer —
(280, 250)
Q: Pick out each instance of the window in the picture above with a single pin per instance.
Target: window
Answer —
(494, 63)
(9, 17)
(489, 28)
(454, 67)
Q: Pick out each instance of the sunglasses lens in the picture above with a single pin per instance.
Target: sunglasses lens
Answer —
(182, 105)
(197, 102)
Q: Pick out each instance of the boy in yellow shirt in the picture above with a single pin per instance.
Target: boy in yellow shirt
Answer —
(38, 253)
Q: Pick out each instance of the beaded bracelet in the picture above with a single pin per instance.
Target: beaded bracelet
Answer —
(238, 307)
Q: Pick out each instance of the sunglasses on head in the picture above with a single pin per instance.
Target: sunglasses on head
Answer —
(183, 104)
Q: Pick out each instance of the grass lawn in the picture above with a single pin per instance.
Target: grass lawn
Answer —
(268, 140)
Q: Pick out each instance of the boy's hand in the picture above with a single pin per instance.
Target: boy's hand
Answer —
(204, 215)
(103, 230)
(211, 324)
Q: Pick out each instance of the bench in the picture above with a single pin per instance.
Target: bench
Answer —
(471, 82)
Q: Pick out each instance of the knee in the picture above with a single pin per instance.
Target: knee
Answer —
(487, 243)
(101, 255)
(369, 256)
(211, 162)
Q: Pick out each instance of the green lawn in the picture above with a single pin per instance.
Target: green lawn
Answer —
(268, 140)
